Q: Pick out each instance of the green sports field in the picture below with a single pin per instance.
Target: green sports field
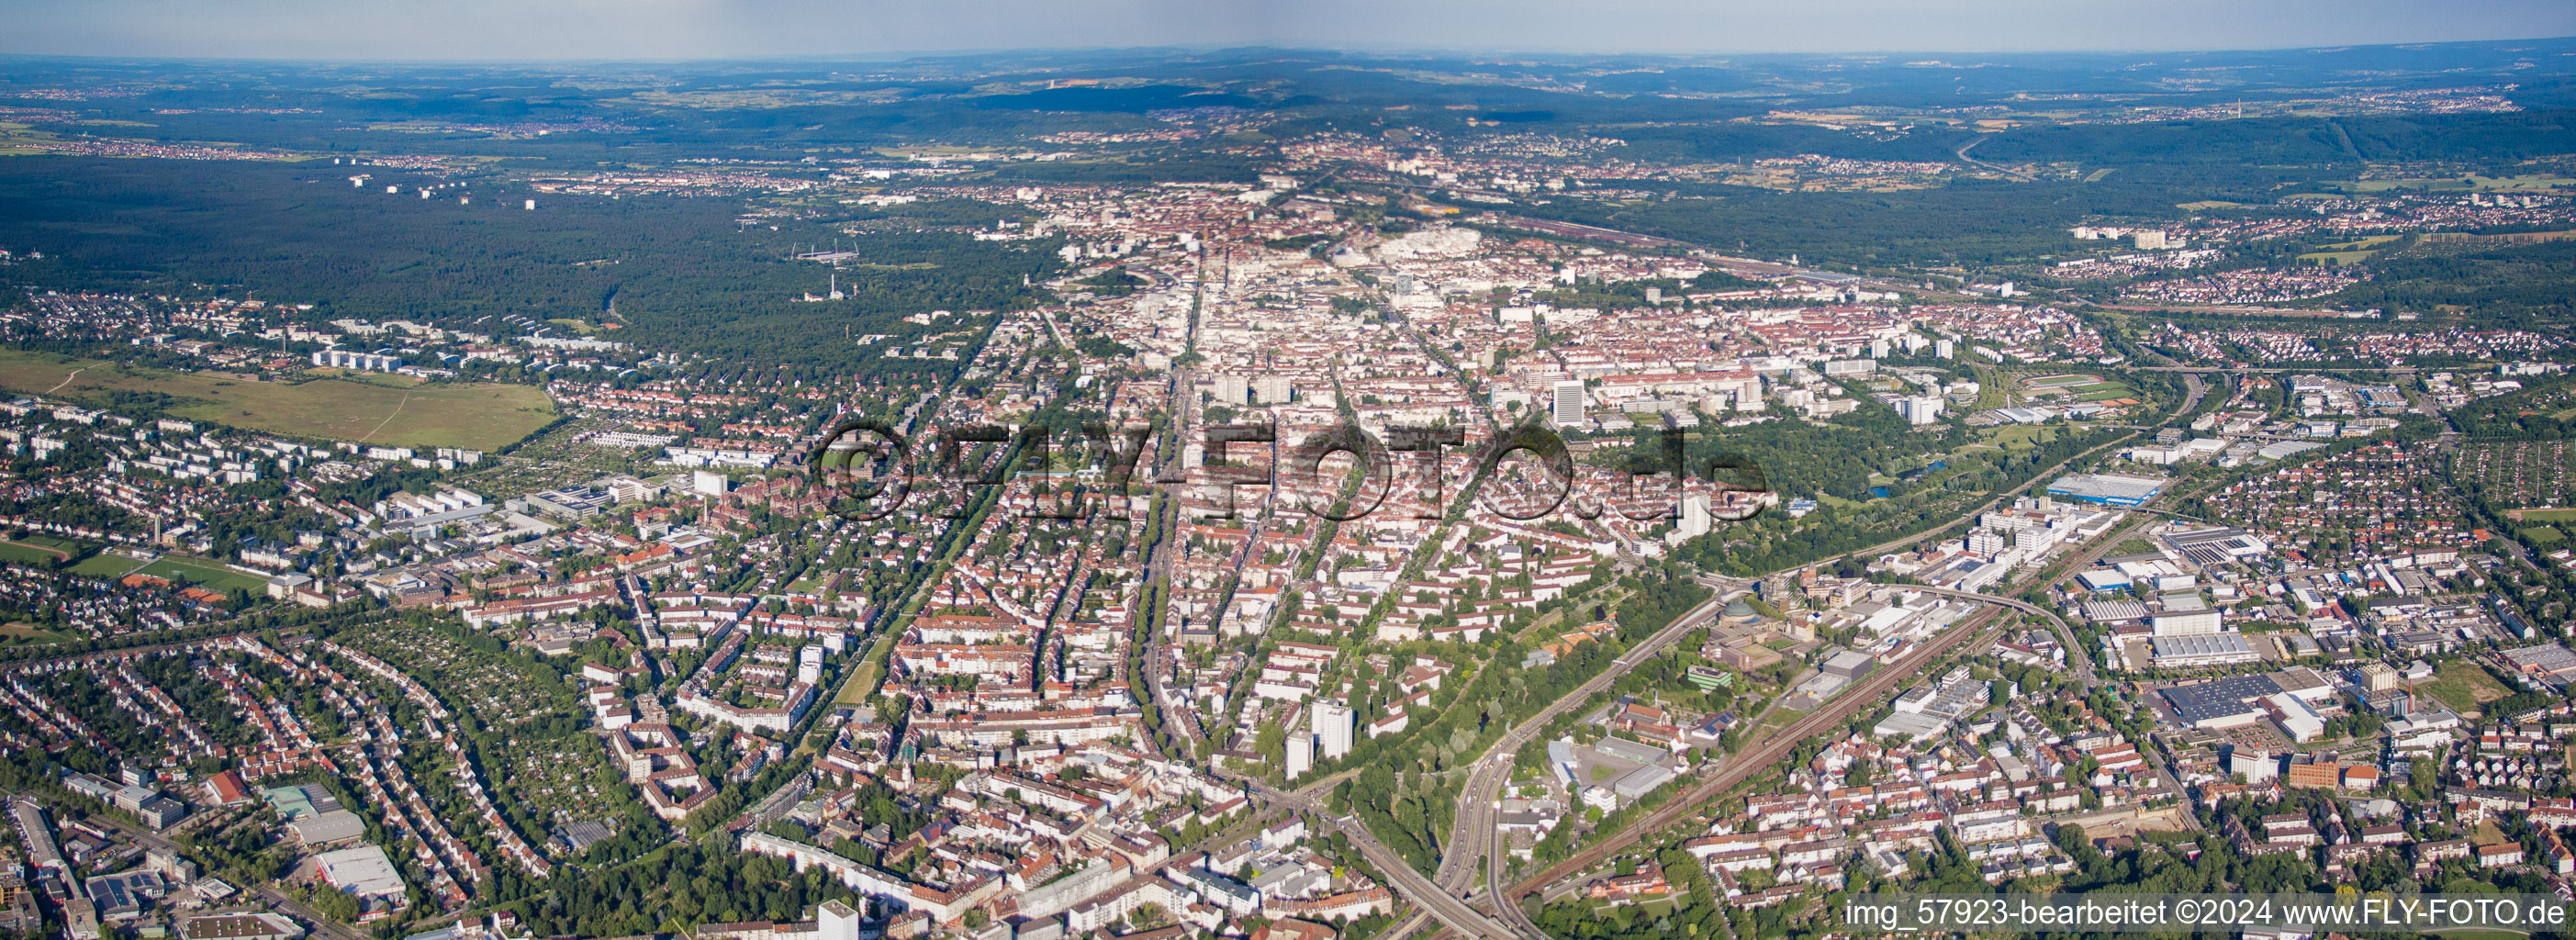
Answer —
(106, 566)
(210, 575)
(27, 554)
(178, 569)
(482, 416)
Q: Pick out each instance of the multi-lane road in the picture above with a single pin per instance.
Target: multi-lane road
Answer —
(1472, 838)
(1452, 912)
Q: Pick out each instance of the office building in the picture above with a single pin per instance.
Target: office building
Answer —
(1565, 403)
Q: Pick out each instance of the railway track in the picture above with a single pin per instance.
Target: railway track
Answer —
(1762, 756)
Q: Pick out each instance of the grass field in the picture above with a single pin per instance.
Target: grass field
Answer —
(2545, 515)
(1657, 906)
(22, 633)
(2462, 686)
(862, 684)
(2351, 252)
(2014, 436)
(2544, 536)
(2083, 387)
(1780, 718)
(178, 569)
(26, 554)
(210, 575)
(1838, 502)
(106, 566)
(480, 416)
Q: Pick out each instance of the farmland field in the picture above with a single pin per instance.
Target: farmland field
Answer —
(480, 416)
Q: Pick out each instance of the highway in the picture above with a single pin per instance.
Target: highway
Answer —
(1472, 838)
(1400, 877)
(1962, 154)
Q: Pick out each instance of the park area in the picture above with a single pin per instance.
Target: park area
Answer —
(478, 416)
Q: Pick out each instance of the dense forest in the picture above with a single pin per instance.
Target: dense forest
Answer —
(2349, 140)
(1969, 221)
(684, 273)
(2499, 284)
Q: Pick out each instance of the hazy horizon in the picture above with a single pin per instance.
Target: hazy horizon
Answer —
(493, 31)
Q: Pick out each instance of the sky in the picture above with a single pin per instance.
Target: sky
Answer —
(662, 30)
